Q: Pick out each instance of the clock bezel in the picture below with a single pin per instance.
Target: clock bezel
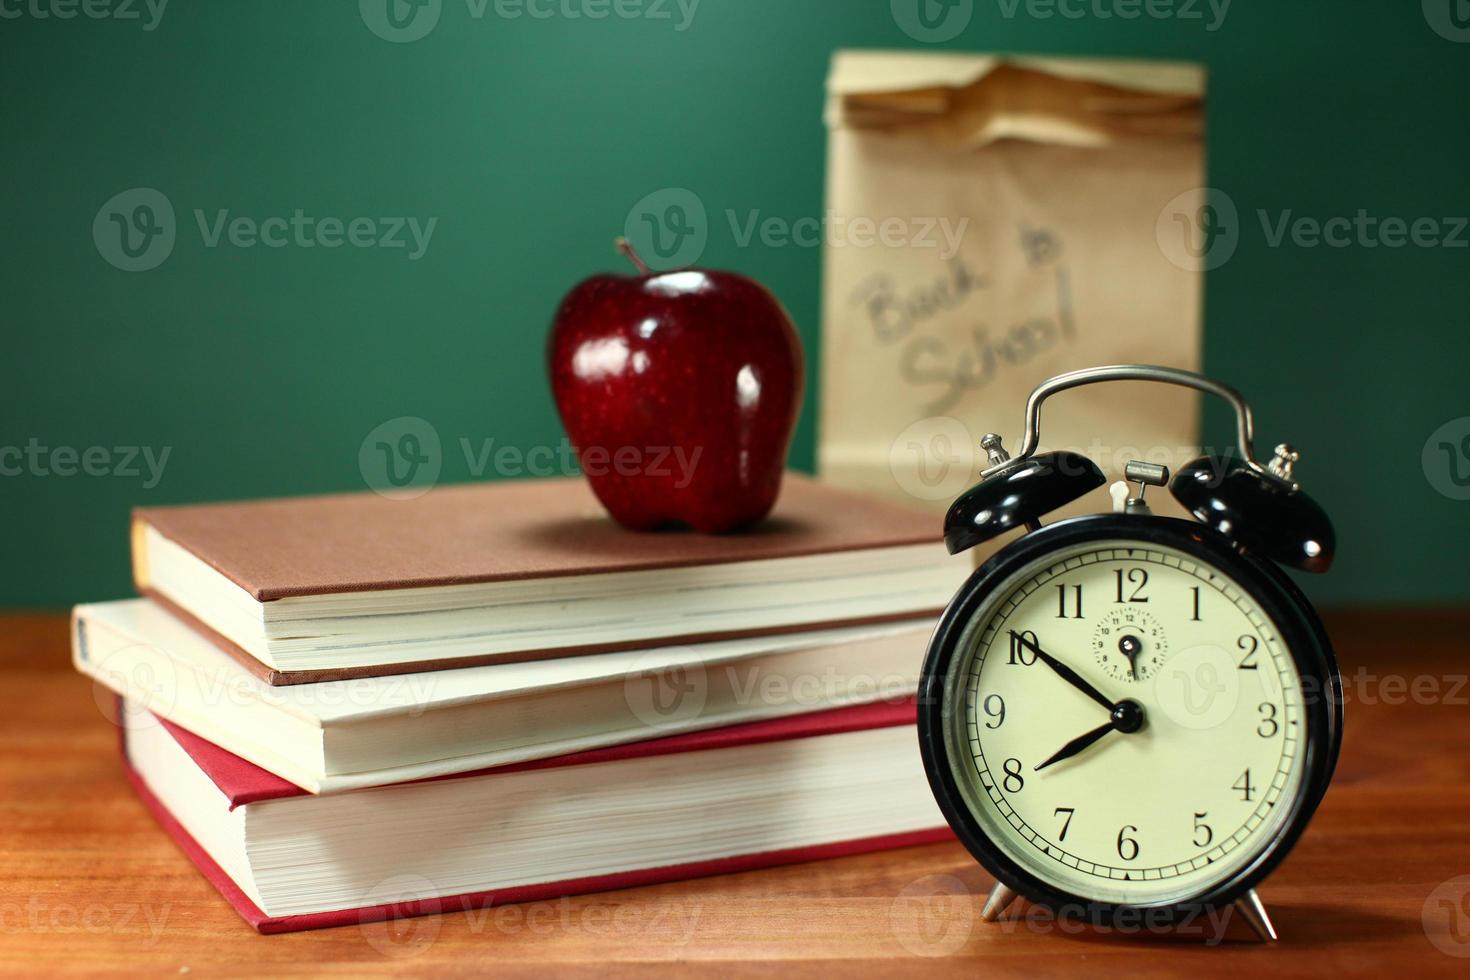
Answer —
(1298, 625)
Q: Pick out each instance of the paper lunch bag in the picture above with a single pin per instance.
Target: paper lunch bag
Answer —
(992, 222)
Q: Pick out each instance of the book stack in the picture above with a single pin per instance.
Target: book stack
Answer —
(351, 707)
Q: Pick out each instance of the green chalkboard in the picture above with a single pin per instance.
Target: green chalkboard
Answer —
(501, 145)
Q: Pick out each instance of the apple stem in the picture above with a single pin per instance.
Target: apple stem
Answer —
(626, 247)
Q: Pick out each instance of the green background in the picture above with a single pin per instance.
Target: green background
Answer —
(530, 139)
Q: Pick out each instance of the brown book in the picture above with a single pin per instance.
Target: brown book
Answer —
(312, 588)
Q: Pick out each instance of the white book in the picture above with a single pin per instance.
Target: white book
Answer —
(347, 734)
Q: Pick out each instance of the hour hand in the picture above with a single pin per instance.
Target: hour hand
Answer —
(1066, 673)
(1126, 717)
(1077, 745)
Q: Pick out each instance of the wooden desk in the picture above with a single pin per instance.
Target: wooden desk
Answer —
(89, 883)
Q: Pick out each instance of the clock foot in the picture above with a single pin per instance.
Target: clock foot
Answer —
(1250, 908)
(1000, 899)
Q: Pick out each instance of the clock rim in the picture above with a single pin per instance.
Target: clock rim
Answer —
(1301, 631)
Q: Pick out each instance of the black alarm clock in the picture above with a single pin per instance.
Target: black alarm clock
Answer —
(1127, 714)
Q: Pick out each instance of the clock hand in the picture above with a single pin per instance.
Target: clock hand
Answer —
(1066, 673)
(1125, 716)
(1130, 647)
(1077, 745)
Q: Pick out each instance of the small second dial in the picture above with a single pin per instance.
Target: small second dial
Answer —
(1129, 644)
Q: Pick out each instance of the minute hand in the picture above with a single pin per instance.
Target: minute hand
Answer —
(1063, 671)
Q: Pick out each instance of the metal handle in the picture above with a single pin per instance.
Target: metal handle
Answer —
(1245, 426)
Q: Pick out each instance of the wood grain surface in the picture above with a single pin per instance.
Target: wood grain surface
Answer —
(1380, 884)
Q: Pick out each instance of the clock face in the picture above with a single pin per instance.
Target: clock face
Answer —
(1125, 723)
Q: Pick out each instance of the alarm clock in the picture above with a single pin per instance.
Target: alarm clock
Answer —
(1124, 714)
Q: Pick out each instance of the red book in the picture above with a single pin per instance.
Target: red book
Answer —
(750, 796)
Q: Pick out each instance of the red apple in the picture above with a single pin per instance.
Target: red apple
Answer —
(680, 391)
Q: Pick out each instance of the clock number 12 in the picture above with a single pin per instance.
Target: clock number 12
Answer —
(1138, 578)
